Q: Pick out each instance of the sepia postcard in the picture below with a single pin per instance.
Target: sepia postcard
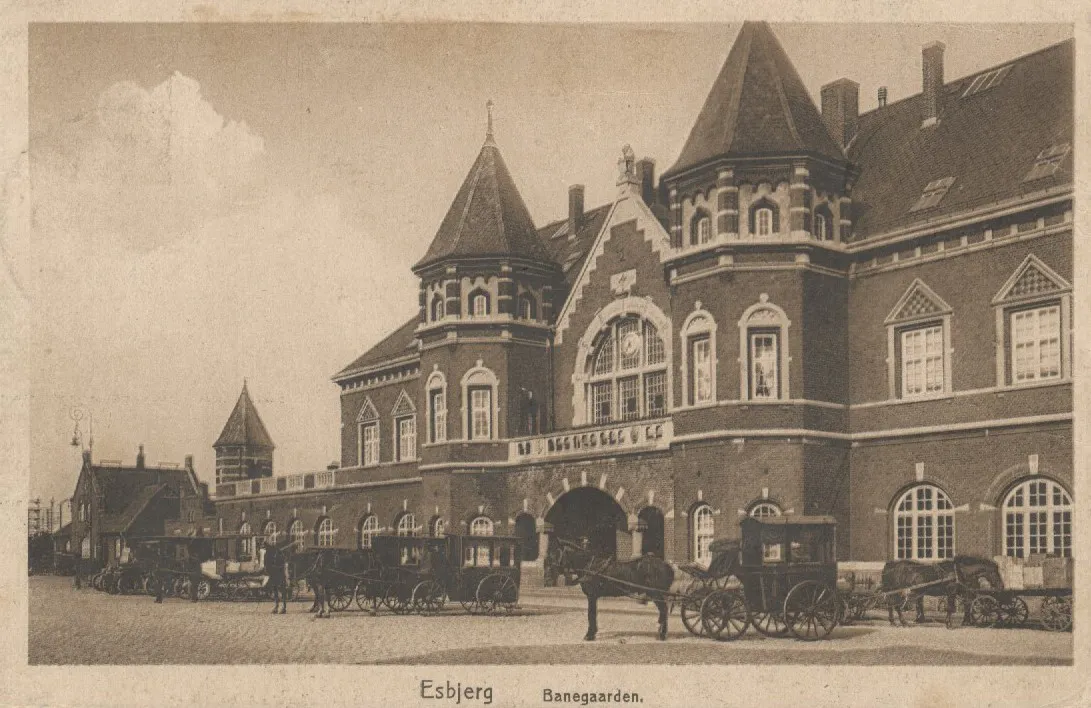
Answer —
(467, 356)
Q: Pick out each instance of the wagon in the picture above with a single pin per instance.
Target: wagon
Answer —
(787, 571)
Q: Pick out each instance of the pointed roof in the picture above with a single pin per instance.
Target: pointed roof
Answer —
(758, 105)
(244, 426)
(488, 216)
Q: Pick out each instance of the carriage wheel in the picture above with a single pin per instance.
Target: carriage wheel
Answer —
(724, 615)
(1057, 614)
(181, 587)
(1013, 611)
(364, 599)
(769, 624)
(984, 611)
(339, 597)
(428, 597)
(811, 610)
(690, 609)
(469, 604)
(204, 589)
(497, 592)
(393, 599)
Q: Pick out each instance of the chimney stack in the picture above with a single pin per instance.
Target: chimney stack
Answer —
(841, 109)
(882, 96)
(645, 170)
(575, 208)
(140, 458)
(932, 66)
(189, 462)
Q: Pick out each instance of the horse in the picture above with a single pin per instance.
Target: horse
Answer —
(647, 577)
(277, 568)
(965, 571)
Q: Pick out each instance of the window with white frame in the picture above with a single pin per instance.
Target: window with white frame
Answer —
(924, 524)
(479, 303)
(528, 307)
(437, 410)
(1033, 311)
(922, 353)
(763, 222)
(369, 528)
(933, 193)
(437, 308)
(701, 229)
(764, 510)
(627, 372)
(480, 412)
(763, 338)
(369, 443)
(481, 526)
(1038, 519)
(764, 354)
(407, 525)
(270, 532)
(1048, 162)
(479, 401)
(298, 534)
(919, 344)
(704, 530)
(1035, 343)
(323, 532)
(439, 526)
(700, 368)
(246, 542)
(407, 438)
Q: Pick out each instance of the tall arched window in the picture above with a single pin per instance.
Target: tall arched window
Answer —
(763, 337)
(704, 529)
(1038, 519)
(439, 526)
(246, 542)
(764, 510)
(481, 526)
(407, 525)
(479, 397)
(437, 307)
(700, 228)
(764, 218)
(822, 226)
(297, 534)
(699, 349)
(627, 372)
(924, 524)
(437, 407)
(369, 527)
(270, 532)
(323, 532)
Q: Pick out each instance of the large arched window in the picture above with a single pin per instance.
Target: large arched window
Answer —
(698, 335)
(323, 532)
(246, 542)
(763, 338)
(369, 527)
(297, 534)
(406, 525)
(924, 524)
(437, 407)
(479, 397)
(764, 510)
(439, 526)
(270, 532)
(627, 372)
(700, 228)
(481, 526)
(1038, 519)
(704, 529)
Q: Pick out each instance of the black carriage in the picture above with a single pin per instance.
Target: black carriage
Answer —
(787, 570)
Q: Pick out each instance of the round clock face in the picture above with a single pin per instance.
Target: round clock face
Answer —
(630, 345)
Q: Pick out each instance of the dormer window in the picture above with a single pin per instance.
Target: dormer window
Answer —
(437, 308)
(822, 226)
(933, 193)
(983, 82)
(1048, 162)
(479, 303)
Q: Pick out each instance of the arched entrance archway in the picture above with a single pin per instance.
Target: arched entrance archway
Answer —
(652, 524)
(588, 512)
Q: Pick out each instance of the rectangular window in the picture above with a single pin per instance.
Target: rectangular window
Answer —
(1013, 530)
(480, 413)
(628, 390)
(407, 438)
(700, 369)
(1048, 162)
(922, 361)
(1036, 344)
(480, 305)
(438, 411)
(655, 393)
(602, 402)
(764, 367)
(369, 445)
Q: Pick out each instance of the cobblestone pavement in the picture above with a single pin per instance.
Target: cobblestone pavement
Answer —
(88, 627)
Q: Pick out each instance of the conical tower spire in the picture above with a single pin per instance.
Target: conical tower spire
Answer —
(244, 426)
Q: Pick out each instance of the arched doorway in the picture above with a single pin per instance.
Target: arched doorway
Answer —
(588, 513)
(651, 519)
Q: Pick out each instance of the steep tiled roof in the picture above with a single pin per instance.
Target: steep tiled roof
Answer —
(119, 523)
(487, 217)
(758, 105)
(987, 142)
(119, 484)
(571, 251)
(401, 342)
(244, 426)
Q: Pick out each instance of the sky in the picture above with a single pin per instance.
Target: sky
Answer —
(214, 202)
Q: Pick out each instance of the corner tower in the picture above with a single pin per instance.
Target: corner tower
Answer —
(244, 449)
(487, 288)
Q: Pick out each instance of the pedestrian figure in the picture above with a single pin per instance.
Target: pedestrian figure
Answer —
(79, 574)
(157, 579)
(276, 566)
(194, 578)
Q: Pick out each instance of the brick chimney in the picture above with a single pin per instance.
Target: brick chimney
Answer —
(645, 170)
(932, 67)
(882, 96)
(575, 208)
(140, 457)
(189, 462)
(841, 109)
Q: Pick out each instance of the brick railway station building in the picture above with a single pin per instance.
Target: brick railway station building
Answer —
(813, 311)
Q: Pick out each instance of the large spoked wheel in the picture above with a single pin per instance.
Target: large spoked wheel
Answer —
(393, 599)
(340, 597)
(429, 597)
(364, 599)
(769, 624)
(1013, 611)
(724, 615)
(811, 610)
(497, 593)
(1057, 614)
(984, 611)
(469, 604)
(690, 609)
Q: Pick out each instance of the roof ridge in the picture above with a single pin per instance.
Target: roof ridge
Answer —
(459, 228)
(733, 109)
(493, 155)
(778, 81)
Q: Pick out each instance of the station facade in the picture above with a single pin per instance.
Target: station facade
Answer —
(813, 311)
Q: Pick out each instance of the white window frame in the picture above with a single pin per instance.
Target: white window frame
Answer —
(764, 510)
(482, 526)
(368, 529)
(703, 229)
(1035, 344)
(920, 364)
(480, 297)
(1020, 515)
(699, 324)
(270, 532)
(528, 306)
(704, 532)
(406, 525)
(405, 438)
(439, 526)
(298, 534)
(763, 222)
(1007, 302)
(611, 378)
(764, 317)
(923, 524)
(480, 377)
(1048, 162)
(324, 532)
(369, 444)
(933, 193)
(438, 307)
(899, 321)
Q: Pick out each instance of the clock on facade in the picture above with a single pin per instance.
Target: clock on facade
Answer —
(630, 345)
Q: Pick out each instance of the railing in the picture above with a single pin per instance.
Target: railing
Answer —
(294, 483)
(324, 479)
(618, 438)
(268, 485)
(243, 488)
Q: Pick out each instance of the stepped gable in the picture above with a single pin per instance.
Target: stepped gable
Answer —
(244, 426)
(758, 105)
(487, 217)
(987, 141)
(399, 343)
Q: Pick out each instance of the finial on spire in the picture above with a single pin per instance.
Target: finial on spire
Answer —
(488, 129)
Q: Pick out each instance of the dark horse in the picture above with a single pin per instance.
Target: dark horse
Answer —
(647, 577)
(276, 567)
(314, 566)
(964, 572)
